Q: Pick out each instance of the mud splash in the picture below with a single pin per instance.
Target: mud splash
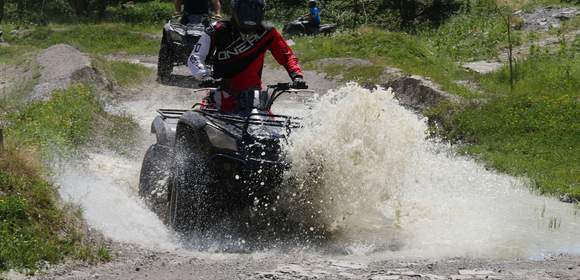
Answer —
(364, 173)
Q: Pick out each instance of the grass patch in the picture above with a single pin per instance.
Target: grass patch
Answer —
(383, 49)
(471, 36)
(532, 130)
(14, 55)
(35, 228)
(126, 74)
(105, 38)
(64, 123)
(72, 118)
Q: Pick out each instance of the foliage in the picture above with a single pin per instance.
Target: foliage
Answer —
(479, 31)
(147, 12)
(383, 49)
(125, 73)
(390, 14)
(34, 228)
(532, 130)
(103, 38)
(64, 122)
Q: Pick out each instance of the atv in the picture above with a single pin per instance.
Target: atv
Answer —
(299, 27)
(177, 44)
(207, 164)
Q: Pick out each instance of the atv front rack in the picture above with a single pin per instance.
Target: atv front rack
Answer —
(251, 119)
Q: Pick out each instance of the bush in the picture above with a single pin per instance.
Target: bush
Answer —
(147, 12)
(390, 14)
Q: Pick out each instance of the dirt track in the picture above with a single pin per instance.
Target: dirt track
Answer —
(138, 261)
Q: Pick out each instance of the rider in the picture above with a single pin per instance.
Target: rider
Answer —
(194, 10)
(236, 49)
(314, 15)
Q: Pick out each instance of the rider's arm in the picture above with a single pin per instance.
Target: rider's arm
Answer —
(284, 56)
(178, 6)
(196, 61)
(217, 7)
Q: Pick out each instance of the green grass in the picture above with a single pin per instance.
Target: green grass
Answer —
(65, 122)
(126, 74)
(34, 228)
(470, 36)
(71, 119)
(383, 49)
(532, 130)
(105, 38)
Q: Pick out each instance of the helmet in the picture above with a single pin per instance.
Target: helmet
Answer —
(312, 3)
(247, 15)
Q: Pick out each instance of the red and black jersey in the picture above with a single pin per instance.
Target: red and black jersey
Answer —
(239, 58)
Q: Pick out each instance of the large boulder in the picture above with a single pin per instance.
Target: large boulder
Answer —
(415, 92)
(61, 66)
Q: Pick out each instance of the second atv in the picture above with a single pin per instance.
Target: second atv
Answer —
(207, 164)
(299, 27)
(177, 44)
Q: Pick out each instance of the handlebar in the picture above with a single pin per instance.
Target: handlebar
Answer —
(216, 83)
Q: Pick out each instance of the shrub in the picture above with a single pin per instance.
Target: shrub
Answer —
(147, 12)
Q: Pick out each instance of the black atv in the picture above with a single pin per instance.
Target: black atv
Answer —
(177, 44)
(300, 27)
(207, 164)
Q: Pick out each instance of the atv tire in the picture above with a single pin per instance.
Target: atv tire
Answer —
(165, 60)
(192, 205)
(154, 179)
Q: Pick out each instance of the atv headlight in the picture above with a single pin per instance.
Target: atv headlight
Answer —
(220, 139)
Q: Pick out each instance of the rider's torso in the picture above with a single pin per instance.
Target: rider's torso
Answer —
(195, 7)
(239, 58)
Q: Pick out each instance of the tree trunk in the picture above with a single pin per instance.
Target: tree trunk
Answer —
(1, 10)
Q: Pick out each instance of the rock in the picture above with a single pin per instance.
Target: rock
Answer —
(483, 67)
(61, 66)
(21, 33)
(474, 272)
(385, 277)
(346, 62)
(566, 198)
(417, 92)
(460, 277)
(544, 18)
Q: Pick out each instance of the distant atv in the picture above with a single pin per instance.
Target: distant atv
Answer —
(207, 164)
(298, 27)
(177, 44)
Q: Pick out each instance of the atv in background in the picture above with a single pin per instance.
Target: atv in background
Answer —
(300, 27)
(177, 44)
(207, 165)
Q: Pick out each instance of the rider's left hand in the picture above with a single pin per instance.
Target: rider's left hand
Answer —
(299, 83)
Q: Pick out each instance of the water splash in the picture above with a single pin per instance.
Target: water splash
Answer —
(104, 187)
(364, 173)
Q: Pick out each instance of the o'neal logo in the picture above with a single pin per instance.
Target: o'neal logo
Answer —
(239, 46)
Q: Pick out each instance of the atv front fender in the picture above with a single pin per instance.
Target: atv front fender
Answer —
(164, 131)
(193, 119)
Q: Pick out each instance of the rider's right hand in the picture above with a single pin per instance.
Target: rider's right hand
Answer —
(299, 83)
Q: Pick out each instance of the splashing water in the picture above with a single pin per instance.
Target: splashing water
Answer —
(104, 188)
(364, 173)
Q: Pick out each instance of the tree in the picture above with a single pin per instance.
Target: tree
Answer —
(1, 10)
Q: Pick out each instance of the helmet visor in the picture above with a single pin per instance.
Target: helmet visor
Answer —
(249, 14)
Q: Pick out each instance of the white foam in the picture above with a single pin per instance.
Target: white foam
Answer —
(366, 173)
